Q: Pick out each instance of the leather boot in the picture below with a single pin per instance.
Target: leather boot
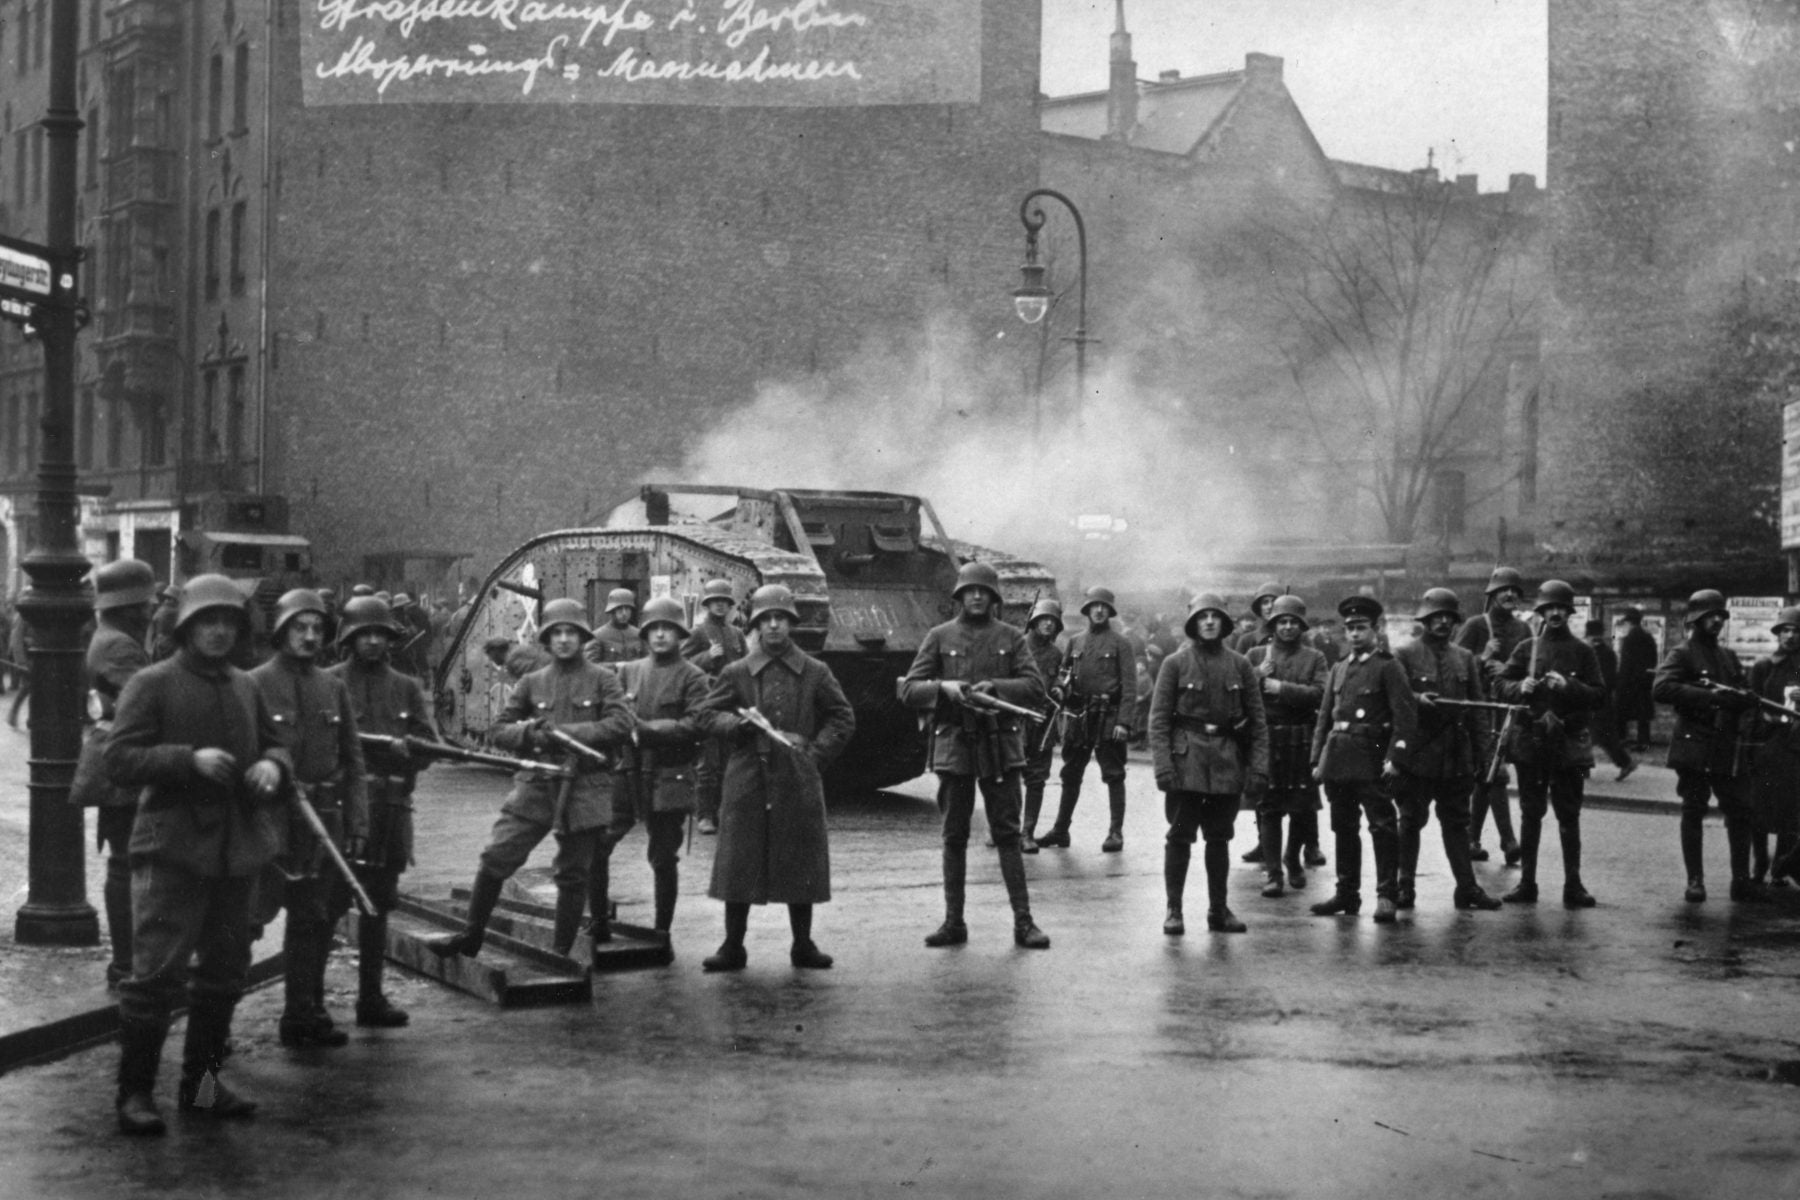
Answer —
(570, 902)
(1531, 831)
(1025, 930)
(1737, 840)
(805, 954)
(953, 932)
(599, 904)
(1115, 833)
(1219, 917)
(117, 893)
(1309, 839)
(1692, 858)
(372, 1007)
(1510, 848)
(1387, 874)
(1296, 840)
(203, 1052)
(1574, 894)
(1034, 805)
(1268, 828)
(1176, 856)
(731, 955)
(1405, 894)
(667, 885)
(1065, 813)
(483, 896)
(140, 1052)
(1469, 894)
(303, 1019)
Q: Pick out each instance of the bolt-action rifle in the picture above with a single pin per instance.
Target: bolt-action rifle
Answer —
(579, 748)
(444, 750)
(762, 723)
(1059, 705)
(1762, 702)
(310, 815)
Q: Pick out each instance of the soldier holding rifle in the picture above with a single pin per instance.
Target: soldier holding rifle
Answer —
(1491, 637)
(714, 645)
(1775, 784)
(1041, 631)
(1100, 706)
(1291, 676)
(961, 664)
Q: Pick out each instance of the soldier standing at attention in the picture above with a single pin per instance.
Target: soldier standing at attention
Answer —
(1491, 638)
(1775, 786)
(1101, 703)
(392, 704)
(714, 645)
(312, 710)
(1703, 749)
(195, 734)
(960, 662)
(1209, 741)
(1041, 631)
(617, 641)
(1449, 754)
(1291, 677)
(124, 594)
(1365, 731)
(772, 846)
(656, 783)
(1556, 674)
(585, 701)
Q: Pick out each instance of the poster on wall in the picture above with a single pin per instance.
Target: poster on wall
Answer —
(1747, 634)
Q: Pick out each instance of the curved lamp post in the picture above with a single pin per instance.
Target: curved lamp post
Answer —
(1032, 299)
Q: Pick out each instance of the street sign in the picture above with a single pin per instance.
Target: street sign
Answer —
(30, 277)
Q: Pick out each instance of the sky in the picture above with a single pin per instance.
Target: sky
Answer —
(1379, 81)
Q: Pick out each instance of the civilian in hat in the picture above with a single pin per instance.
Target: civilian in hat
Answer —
(1606, 724)
(1637, 675)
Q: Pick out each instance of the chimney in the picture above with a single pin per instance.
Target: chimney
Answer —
(1262, 66)
(1122, 94)
(1466, 185)
(1172, 76)
(1521, 183)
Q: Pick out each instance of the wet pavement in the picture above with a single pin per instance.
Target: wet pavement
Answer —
(1621, 1051)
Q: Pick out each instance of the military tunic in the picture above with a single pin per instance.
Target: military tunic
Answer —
(384, 701)
(709, 765)
(1040, 748)
(611, 644)
(1300, 672)
(1775, 781)
(1209, 738)
(113, 657)
(1367, 720)
(1553, 744)
(1449, 751)
(1705, 748)
(1102, 694)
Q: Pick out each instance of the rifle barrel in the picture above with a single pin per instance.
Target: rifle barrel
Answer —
(578, 747)
(761, 722)
(311, 816)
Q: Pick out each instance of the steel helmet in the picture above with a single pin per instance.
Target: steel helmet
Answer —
(401, 600)
(978, 574)
(1787, 616)
(1439, 600)
(122, 584)
(1046, 608)
(363, 589)
(564, 612)
(717, 589)
(1701, 603)
(773, 598)
(664, 610)
(1503, 578)
(1359, 605)
(1208, 602)
(1288, 606)
(211, 591)
(1268, 591)
(620, 598)
(1554, 593)
(1100, 595)
(363, 613)
(292, 604)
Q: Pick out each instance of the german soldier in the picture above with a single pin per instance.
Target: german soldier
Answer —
(714, 645)
(1100, 706)
(1775, 785)
(1556, 675)
(1704, 747)
(312, 710)
(666, 693)
(1449, 754)
(1366, 727)
(163, 643)
(196, 735)
(387, 702)
(772, 846)
(581, 700)
(124, 595)
(1491, 638)
(1258, 626)
(1291, 678)
(617, 641)
(960, 665)
(1041, 631)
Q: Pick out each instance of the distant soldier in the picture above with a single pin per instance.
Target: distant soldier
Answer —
(124, 594)
(162, 624)
(1099, 710)
(656, 782)
(1209, 741)
(714, 645)
(1491, 638)
(1704, 750)
(1775, 784)
(328, 653)
(1637, 675)
(391, 704)
(1291, 676)
(960, 664)
(772, 846)
(617, 641)
(584, 701)
(1449, 753)
(1041, 631)
(1257, 626)
(1365, 731)
(312, 710)
(1556, 675)
(196, 735)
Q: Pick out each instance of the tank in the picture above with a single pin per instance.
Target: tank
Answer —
(871, 571)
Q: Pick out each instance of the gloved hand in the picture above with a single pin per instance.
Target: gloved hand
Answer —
(1165, 781)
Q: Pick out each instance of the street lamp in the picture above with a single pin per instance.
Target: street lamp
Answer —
(1032, 299)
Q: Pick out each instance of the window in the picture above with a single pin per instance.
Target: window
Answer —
(239, 211)
(84, 430)
(92, 137)
(1450, 490)
(37, 36)
(121, 115)
(93, 20)
(24, 38)
(209, 416)
(240, 89)
(37, 162)
(115, 432)
(234, 414)
(215, 96)
(212, 254)
(156, 433)
(1528, 459)
(19, 169)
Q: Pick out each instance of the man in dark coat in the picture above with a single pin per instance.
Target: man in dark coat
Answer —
(1100, 707)
(1366, 726)
(1209, 743)
(617, 640)
(714, 645)
(1041, 631)
(1556, 676)
(1775, 783)
(1292, 678)
(1491, 638)
(1705, 749)
(772, 846)
(960, 665)
(196, 736)
(1606, 725)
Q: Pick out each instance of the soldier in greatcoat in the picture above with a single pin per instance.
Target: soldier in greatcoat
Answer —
(311, 708)
(392, 704)
(1291, 677)
(124, 596)
(1491, 637)
(666, 693)
(772, 846)
(1775, 782)
(714, 645)
(1449, 753)
(959, 664)
(617, 640)
(1556, 675)
(1366, 726)
(1042, 628)
(584, 701)
(1209, 742)
(1099, 709)
(1704, 749)
(195, 735)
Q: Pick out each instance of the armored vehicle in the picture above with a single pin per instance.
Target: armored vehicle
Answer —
(872, 572)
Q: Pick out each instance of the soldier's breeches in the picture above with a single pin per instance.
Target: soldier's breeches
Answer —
(190, 936)
(709, 776)
(1491, 797)
(1542, 791)
(1194, 815)
(1037, 765)
(113, 830)
(381, 882)
(1108, 753)
(1697, 788)
(1000, 800)
(1351, 804)
(510, 844)
(1414, 803)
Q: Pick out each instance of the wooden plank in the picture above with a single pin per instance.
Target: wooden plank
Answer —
(496, 975)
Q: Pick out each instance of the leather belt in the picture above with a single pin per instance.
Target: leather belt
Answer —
(1362, 728)
(1195, 725)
